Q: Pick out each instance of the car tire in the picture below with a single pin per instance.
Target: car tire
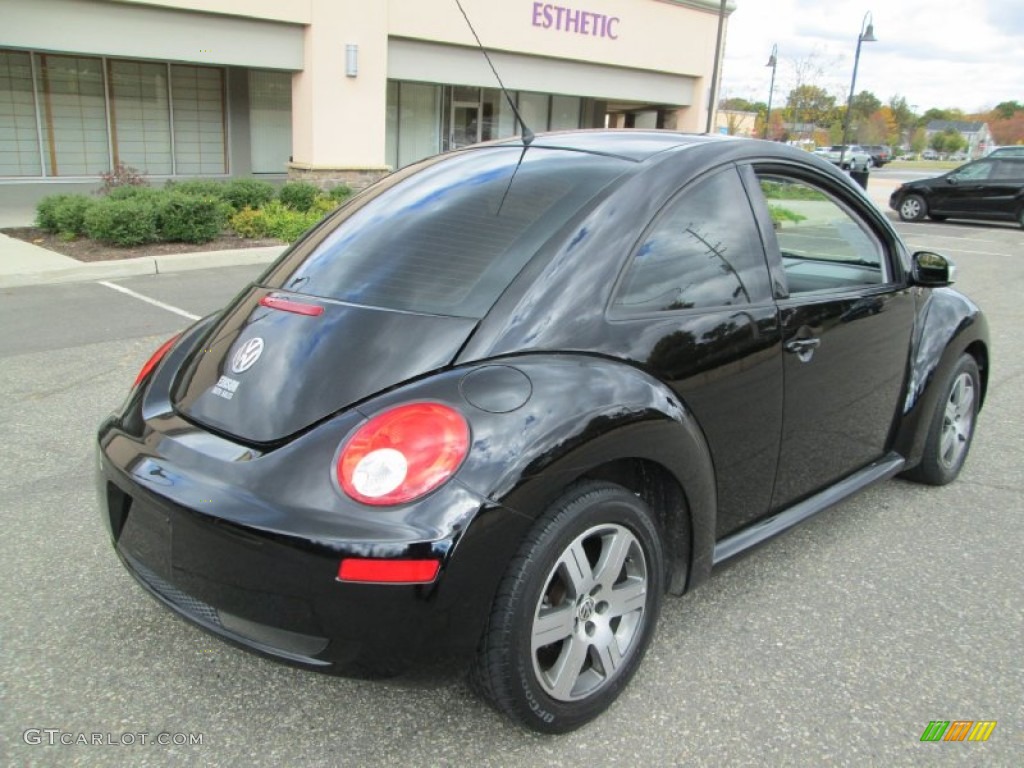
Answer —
(952, 426)
(913, 208)
(1020, 217)
(568, 627)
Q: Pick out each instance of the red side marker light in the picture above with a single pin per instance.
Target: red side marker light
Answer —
(376, 571)
(155, 359)
(287, 305)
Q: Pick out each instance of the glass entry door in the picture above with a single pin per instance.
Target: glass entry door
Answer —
(465, 124)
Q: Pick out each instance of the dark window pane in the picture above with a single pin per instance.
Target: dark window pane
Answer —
(451, 238)
(703, 251)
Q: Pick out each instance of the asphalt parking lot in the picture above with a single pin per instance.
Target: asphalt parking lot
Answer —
(836, 644)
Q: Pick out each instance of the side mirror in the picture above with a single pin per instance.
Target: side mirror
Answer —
(952, 178)
(932, 270)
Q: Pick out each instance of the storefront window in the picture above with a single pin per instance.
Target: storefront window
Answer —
(79, 115)
(270, 120)
(140, 115)
(19, 135)
(565, 113)
(533, 107)
(419, 122)
(391, 126)
(74, 115)
(198, 101)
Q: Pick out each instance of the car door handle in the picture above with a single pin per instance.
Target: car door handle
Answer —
(802, 348)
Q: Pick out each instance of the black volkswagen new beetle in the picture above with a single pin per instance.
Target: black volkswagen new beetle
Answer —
(505, 399)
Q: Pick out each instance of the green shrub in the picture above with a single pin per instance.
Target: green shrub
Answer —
(299, 195)
(324, 205)
(248, 193)
(274, 220)
(191, 218)
(340, 193)
(126, 193)
(122, 222)
(199, 187)
(249, 222)
(69, 214)
(46, 211)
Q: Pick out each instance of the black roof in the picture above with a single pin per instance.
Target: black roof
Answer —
(627, 143)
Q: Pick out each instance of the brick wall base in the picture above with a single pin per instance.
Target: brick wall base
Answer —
(328, 178)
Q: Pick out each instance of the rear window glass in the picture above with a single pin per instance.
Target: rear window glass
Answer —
(449, 238)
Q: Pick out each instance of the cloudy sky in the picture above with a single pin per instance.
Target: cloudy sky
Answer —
(935, 53)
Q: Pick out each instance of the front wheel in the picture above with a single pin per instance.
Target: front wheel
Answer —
(952, 427)
(575, 611)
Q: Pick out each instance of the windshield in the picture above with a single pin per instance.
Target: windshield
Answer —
(449, 238)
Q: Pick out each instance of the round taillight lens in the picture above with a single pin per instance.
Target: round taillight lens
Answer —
(402, 454)
(155, 359)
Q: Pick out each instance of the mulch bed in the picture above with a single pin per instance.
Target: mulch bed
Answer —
(85, 249)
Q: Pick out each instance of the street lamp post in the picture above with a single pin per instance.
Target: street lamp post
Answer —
(867, 35)
(773, 61)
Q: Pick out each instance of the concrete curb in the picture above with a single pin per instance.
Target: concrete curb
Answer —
(143, 265)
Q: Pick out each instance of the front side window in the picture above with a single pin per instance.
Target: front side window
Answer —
(702, 251)
(975, 171)
(824, 245)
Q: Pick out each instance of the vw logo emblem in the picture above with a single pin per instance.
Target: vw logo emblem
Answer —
(247, 355)
(586, 610)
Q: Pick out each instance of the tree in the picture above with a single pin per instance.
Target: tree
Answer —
(737, 104)
(1007, 109)
(949, 141)
(1009, 130)
(918, 140)
(810, 104)
(940, 114)
(880, 128)
(903, 115)
(864, 105)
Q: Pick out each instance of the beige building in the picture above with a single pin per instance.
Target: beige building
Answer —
(334, 90)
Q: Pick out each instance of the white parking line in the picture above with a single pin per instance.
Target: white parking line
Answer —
(148, 300)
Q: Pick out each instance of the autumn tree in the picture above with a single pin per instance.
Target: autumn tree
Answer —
(810, 104)
(1006, 109)
(1008, 130)
(903, 115)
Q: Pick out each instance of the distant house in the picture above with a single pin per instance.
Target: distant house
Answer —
(978, 136)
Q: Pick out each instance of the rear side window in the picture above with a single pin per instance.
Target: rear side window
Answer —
(703, 250)
(449, 238)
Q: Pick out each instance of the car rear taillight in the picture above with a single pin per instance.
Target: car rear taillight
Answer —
(155, 359)
(402, 454)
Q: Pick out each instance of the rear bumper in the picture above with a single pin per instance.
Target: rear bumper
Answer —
(274, 590)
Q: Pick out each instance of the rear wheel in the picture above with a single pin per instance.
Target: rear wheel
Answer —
(952, 427)
(913, 208)
(575, 611)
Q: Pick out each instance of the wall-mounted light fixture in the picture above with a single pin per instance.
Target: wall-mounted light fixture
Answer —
(351, 60)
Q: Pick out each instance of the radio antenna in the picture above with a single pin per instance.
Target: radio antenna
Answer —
(527, 133)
